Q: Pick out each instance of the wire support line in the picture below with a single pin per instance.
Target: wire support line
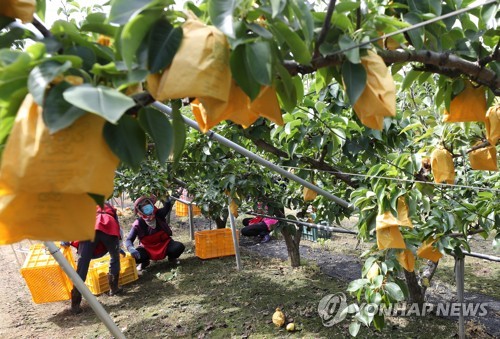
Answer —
(412, 27)
(399, 179)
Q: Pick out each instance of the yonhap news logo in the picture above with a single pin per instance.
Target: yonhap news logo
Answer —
(333, 308)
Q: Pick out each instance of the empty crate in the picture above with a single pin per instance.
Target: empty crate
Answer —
(46, 280)
(214, 243)
(97, 277)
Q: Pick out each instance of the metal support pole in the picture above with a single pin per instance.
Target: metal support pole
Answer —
(80, 285)
(235, 237)
(191, 226)
(226, 142)
(459, 276)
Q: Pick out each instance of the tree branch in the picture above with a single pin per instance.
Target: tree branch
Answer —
(325, 28)
(444, 63)
(492, 57)
(263, 145)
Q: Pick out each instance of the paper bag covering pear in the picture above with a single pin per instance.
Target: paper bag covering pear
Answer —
(387, 227)
(427, 251)
(200, 67)
(468, 105)
(378, 99)
(442, 166)
(309, 194)
(406, 259)
(20, 9)
(484, 158)
(45, 178)
(492, 124)
(233, 207)
(238, 109)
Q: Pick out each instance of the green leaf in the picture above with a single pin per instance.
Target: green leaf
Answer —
(127, 140)
(179, 131)
(357, 284)
(221, 15)
(103, 101)
(157, 125)
(123, 10)
(304, 16)
(409, 79)
(297, 46)
(42, 75)
(57, 112)
(86, 54)
(416, 35)
(286, 90)
(100, 28)
(258, 60)
(354, 76)
(379, 321)
(164, 41)
(240, 73)
(98, 199)
(345, 42)
(354, 328)
(135, 32)
(394, 291)
(259, 30)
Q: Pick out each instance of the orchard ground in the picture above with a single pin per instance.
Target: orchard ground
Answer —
(211, 299)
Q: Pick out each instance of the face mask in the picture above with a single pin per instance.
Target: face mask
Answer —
(148, 209)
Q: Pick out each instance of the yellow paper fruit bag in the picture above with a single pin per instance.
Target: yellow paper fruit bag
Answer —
(407, 260)
(74, 160)
(468, 105)
(200, 67)
(442, 166)
(21, 9)
(426, 251)
(239, 109)
(46, 216)
(492, 124)
(390, 237)
(484, 158)
(233, 207)
(309, 194)
(378, 99)
(403, 217)
(41, 171)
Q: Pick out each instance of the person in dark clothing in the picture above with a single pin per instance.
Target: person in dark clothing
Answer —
(151, 227)
(258, 226)
(107, 239)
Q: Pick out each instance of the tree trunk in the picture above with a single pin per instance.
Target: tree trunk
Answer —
(220, 222)
(292, 242)
(416, 293)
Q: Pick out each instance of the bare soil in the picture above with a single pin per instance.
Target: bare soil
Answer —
(212, 299)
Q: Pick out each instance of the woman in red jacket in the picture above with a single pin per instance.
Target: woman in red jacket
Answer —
(107, 239)
(151, 227)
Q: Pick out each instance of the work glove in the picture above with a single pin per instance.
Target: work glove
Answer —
(135, 253)
(122, 252)
(65, 243)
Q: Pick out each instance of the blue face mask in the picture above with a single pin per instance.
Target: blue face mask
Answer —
(148, 209)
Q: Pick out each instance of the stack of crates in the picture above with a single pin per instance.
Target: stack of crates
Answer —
(46, 280)
(97, 277)
(214, 243)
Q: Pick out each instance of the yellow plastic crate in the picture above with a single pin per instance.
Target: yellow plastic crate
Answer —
(196, 210)
(97, 277)
(214, 243)
(46, 280)
(181, 210)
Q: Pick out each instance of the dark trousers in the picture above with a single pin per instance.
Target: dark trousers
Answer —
(174, 251)
(253, 230)
(86, 250)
